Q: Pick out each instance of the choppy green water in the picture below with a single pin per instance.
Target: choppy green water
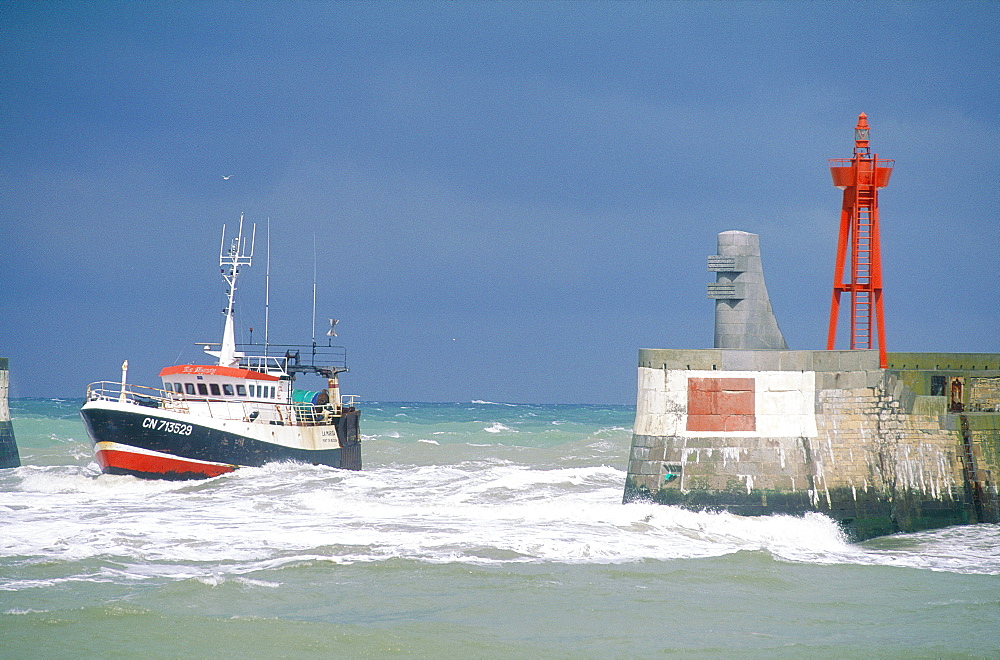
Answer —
(476, 530)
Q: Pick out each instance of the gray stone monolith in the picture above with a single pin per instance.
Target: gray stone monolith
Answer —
(743, 315)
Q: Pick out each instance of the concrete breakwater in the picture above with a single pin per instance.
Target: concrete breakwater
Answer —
(8, 447)
(754, 428)
(913, 446)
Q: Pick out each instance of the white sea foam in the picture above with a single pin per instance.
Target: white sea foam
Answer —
(497, 427)
(258, 520)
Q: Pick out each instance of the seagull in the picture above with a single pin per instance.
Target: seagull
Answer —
(227, 177)
(333, 324)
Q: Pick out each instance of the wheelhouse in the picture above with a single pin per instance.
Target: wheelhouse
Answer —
(199, 382)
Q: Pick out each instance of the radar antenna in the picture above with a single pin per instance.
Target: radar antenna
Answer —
(238, 254)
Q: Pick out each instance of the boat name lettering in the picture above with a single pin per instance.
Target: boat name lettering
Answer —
(168, 426)
(328, 435)
(199, 370)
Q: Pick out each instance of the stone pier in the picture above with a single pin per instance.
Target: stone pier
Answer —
(756, 432)
(754, 428)
(8, 447)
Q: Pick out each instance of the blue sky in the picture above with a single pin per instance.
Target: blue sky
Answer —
(508, 199)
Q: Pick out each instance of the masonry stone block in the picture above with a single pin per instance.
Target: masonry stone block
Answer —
(767, 360)
(649, 467)
(795, 361)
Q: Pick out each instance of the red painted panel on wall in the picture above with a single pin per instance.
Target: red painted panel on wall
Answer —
(721, 404)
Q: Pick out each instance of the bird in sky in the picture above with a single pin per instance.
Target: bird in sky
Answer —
(227, 177)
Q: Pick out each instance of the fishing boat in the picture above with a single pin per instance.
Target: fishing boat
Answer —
(242, 410)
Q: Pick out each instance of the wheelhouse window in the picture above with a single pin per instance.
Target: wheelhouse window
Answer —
(261, 391)
(189, 388)
(215, 389)
(203, 389)
(227, 389)
(168, 387)
(241, 390)
(177, 388)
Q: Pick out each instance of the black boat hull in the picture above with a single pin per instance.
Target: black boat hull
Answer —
(149, 444)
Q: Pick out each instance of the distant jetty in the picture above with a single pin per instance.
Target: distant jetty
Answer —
(755, 429)
(8, 447)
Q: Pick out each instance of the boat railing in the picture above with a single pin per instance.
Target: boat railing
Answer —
(139, 395)
(265, 412)
(289, 358)
(298, 358)
(265, 363)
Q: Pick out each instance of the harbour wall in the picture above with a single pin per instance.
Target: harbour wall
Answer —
(756, 432)
(8, 447)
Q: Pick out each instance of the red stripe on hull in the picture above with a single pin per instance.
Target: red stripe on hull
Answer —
(114, 461)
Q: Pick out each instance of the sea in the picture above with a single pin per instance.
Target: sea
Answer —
(476, 530)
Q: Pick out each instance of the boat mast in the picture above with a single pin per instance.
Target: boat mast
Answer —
(267, 289)
(314, 301)
(230, 262)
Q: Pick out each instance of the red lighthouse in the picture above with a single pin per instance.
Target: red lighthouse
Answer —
(860, 177)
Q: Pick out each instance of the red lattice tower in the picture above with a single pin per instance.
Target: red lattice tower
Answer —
(860, 177)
